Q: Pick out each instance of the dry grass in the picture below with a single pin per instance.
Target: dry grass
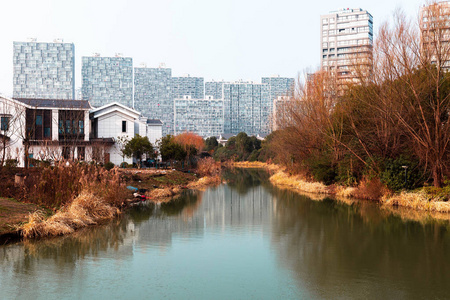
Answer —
(204, 182)
(298, 183)
(256, 164)
(417, 200)
(163, 193)
(346, 191)
(85, 210)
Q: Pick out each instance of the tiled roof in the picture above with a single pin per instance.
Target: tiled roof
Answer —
(154, 121)
(55, 103)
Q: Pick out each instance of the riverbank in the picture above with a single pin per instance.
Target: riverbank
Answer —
(420, 200)
(99, 200)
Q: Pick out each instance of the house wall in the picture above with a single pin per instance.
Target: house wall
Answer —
(110, 125)
(13, 148)
(154, 133)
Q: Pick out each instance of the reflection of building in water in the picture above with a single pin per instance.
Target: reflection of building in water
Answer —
(225, 206)
(221, 207)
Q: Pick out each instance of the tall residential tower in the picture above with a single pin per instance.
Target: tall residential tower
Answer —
(107, 80)
(346, 39)
(44, 70)
(153, 95)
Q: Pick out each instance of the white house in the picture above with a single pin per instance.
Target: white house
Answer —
(34, 130)
(115, 120)
(43, 129)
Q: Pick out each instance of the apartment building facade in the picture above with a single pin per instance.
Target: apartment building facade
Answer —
(44, 70)
(346, 42)
(247, 107)
(107, 79)
(435, 33)
(188, 86)
(200, 116)
(153, 95)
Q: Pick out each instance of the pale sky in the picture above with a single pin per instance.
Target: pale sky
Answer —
(228, 39)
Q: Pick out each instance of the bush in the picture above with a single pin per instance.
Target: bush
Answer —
(393, 174)
(11, 163)
(322, 169)
(124, 165)
(208, 167)
(109, 165)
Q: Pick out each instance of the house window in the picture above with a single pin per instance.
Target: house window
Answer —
(4, 123)
(81, 127)
(124, 126)
(38, 120)
(68, 123)
(47, 132)
(61, 127)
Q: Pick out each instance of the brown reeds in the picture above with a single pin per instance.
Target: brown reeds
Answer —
(208, 167)
(418, 200)
(297, 183)
(85, 195)
(256, 164)
(86, 209)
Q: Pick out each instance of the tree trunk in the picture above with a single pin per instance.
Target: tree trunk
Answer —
(437, 176)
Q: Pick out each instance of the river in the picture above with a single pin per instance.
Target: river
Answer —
(241, 240)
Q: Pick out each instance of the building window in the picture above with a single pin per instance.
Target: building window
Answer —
(4, 123)
(38, 120)
(47, 132)
(124, 126)
(81, 127)
(61, 127)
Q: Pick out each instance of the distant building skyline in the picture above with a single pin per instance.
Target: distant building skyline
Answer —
(44, 70)
(201, 116)
(188, 86)
(107, 80)
(153, 95)
(247, 107)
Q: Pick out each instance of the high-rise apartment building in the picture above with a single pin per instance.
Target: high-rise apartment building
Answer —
(153, 95)
(214, 88)
(247, 108)
(188, 86)
(44, 70)
(280, 86)
(346, 39)
(201, 116)
(434, 33)
(107, 80)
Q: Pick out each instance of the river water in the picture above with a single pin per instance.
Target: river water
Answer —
(241, 240)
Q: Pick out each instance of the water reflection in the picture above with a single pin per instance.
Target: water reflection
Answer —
(359, 251)
(247, 239)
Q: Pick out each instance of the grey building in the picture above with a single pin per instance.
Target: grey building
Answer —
(200, 116)
(153, 95)
(214, 88)
(247, 108)
(44, 70)
(346, 39)
(280, 86)
(188, 86)
(107, 80)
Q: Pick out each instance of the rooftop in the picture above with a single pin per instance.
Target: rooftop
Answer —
(54, 103)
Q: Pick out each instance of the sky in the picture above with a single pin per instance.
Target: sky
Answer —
(227, 39)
